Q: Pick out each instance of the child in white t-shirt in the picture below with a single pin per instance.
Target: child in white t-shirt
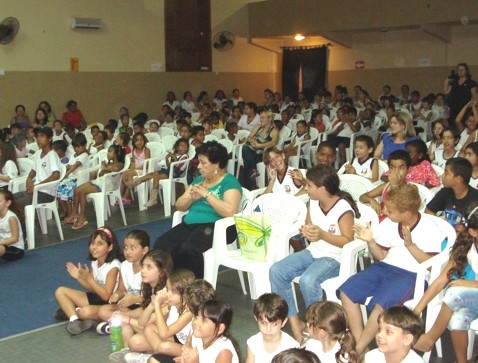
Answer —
(398, 329)
(270, 312)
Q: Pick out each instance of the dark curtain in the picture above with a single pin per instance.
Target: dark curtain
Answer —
(290, 72)
(314, 70)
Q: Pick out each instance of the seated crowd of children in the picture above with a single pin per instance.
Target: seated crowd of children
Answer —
(167, 313)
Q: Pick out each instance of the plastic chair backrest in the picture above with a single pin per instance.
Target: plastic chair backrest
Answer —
(168, 142)
(314, 133)
(24, 166)
(426, 195)
(152, 136)
(282, 208)
(156, 148)
(228, 144)
(241, 135)
(355, 185)
(210, 137)
(165, 131)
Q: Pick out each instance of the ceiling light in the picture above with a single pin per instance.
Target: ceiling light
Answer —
(299, 37)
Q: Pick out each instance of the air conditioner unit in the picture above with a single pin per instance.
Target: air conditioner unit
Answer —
(86, 23)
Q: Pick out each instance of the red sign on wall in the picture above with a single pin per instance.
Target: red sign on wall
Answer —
(360, 64)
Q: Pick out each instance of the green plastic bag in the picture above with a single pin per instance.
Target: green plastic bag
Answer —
(253, 234)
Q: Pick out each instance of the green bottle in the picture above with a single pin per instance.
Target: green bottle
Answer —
(116, 339)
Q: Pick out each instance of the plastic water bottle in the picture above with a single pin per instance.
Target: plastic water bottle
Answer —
(116, 338)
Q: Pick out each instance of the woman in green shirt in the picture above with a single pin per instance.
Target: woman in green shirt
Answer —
(213, 195)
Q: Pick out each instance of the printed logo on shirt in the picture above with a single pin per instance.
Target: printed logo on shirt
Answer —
(332, 228)
(453, 217)
(43, 164)
(287, 189)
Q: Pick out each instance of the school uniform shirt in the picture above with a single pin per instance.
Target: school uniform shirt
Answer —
(425, 235)
(6, 232)
(44, 167)
(132, 281)
(329, 222)
(100, 273)
(286, 185)
(376, 356)
(173, 317)
(439, 158)
(316, 346)
(210, 354)
(10, 169)
(453, 208)
(364, 169)
(256, 346)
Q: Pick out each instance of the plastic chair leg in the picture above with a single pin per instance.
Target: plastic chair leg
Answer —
(241, 279)
(142, 195)
(42, 216)
(120, 202)
(166, 197)
(58, 223)
(210, 267)
(30, 226)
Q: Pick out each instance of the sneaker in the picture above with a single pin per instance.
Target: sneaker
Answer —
(134, 357)
(103, 328)
(78, 326)
(59, 315)
(118, 357)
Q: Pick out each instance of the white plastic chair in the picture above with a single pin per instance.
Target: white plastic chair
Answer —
(303, 153)
(110, 187)
(228, 144)
(41, 209)
(168, 142)
(165, 131)
(18, 184)
(168, 186)
(355, 185)
(241, 135)
(426, 195)
(286, 134)
(210, 137)
(152, 136)
(285, 223)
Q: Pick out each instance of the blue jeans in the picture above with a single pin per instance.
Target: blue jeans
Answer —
(313, 272)
(464, 303)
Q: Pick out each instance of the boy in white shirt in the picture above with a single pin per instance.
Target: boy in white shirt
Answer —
(270, 312)
(399, 328)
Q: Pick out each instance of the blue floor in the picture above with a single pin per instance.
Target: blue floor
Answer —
(27, 286)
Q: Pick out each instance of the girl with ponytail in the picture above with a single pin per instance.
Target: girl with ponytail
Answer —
(330, 336)
(328, 227)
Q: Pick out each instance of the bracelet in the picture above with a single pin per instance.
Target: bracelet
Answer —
(207, 196)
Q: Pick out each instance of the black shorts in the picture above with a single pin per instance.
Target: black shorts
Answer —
(12, 253)
(94, 299)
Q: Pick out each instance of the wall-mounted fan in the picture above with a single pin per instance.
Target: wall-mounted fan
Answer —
(223, 41)
(8, 29)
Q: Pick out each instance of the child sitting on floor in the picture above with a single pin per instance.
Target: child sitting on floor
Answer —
(270, 312)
